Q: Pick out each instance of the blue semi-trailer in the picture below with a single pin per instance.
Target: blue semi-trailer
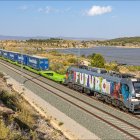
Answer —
(22, 59)
(13, 56)
(37, 62)
(1, 52)
(5, 54)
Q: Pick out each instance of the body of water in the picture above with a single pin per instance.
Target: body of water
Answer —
(130, 56)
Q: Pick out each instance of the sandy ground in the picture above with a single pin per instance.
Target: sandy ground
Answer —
(70, 128)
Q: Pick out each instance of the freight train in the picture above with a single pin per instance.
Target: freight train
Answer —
(120, 90)
(35, 62)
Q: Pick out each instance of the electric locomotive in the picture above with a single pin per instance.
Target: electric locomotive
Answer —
(121, 90)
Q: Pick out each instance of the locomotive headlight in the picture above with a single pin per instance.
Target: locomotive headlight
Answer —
(137, 95)
(133, 100)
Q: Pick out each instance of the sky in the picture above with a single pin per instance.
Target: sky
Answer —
(65, 18)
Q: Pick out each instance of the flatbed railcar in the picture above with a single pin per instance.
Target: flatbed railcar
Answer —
(36, 64)
(121, 90)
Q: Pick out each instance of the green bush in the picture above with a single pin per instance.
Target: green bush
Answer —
(98, 61)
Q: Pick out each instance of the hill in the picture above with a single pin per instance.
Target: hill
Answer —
(4, 37)
(126, 40)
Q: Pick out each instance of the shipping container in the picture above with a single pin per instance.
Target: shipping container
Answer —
(5, 54)
(37, 62)
(22, 59)
(13, 56)
(1, 52)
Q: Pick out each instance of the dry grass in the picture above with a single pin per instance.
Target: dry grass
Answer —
(58, 62)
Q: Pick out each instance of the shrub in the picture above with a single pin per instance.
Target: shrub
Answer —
(1, 74)
(98, 61)
(112, 66)
(72, 60)
(134, 68)
(4, 131)
(60, 123)
(55, 52)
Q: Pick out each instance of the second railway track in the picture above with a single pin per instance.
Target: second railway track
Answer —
(130, 129)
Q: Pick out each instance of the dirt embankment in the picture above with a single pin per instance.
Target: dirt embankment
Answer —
(18, 120)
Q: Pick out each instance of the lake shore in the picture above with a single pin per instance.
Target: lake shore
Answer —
(62, 48)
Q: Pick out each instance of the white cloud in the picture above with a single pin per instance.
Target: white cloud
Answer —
(24, 7)
(49, 9)
(98, 10)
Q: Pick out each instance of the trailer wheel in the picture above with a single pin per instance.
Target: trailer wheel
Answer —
(70, 85)
(87, 91)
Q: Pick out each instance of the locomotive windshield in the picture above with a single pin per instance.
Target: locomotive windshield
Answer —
(136, 86)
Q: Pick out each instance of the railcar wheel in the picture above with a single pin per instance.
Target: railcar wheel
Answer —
(87, 91)
(96, 95)
(70, 85)
(117, 103)
(125, 109)
(81, 90)
(107, 100)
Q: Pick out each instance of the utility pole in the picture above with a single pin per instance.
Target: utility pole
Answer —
(78, 54)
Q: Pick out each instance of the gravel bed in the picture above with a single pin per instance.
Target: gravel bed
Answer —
(95, 103)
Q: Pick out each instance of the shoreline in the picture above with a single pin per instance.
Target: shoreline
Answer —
(123, 47)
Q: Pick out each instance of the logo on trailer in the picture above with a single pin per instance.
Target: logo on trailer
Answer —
(20, 57)
(11, 55)
(32, 61)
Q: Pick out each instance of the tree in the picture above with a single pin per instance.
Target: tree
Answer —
(91, 56)
(98, 61)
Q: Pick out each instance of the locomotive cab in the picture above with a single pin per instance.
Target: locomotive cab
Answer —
(137, 88)
(135, 96)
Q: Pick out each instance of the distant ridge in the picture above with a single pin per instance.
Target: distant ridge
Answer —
(4, 37)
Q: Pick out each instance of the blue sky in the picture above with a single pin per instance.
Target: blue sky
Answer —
(96, 19)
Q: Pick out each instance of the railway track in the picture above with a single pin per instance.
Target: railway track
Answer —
(115, 108)
(64, 88)
(127, 128)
